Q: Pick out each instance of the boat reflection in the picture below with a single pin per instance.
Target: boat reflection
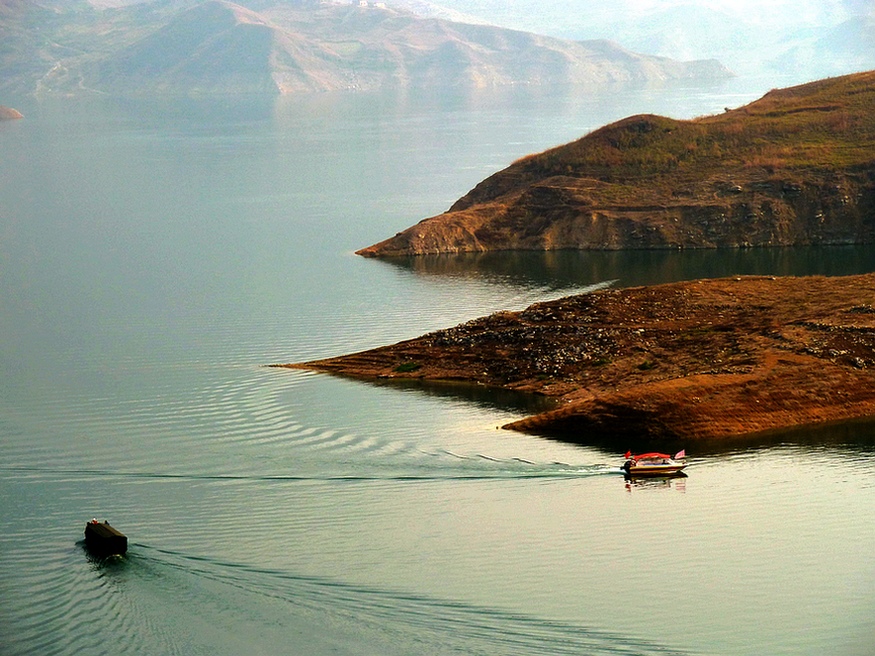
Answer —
(677, 482)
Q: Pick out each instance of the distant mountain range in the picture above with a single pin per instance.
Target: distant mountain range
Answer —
(75, 47)
(800, 39)
(802, 51)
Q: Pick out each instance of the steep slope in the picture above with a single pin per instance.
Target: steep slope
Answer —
(271, 46)
(795, 167)
(411, 50)
(25, 52)
(775, 38)
(215, 47)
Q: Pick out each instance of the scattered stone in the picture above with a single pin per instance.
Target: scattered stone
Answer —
(705, 359)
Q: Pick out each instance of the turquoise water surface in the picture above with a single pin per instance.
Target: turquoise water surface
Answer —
(155, 255)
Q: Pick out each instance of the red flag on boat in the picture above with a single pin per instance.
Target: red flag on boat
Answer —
(628, 454)
(680, 454)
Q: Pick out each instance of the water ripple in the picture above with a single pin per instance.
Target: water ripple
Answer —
(410, 623)
(509, 471)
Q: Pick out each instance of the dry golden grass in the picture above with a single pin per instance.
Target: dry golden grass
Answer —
(795, 167)
(824, 125)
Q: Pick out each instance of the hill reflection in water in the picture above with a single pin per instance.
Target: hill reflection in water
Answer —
(568, 269)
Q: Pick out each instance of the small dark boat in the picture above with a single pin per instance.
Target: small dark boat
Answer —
(103, 540)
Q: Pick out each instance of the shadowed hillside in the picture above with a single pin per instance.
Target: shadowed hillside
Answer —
(216, 47)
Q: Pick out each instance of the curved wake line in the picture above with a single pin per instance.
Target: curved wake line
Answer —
(426, 619)
(432, 476)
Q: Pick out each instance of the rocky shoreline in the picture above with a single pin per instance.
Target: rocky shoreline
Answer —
(692, 361)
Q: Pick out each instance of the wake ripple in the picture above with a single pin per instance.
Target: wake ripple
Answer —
(206, 415)
(479, 470)
(397, 622)
(245, 418)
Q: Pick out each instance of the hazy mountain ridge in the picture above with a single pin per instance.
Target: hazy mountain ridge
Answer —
(798, 39)
(807, 51)
(847, 46)
(271, 46)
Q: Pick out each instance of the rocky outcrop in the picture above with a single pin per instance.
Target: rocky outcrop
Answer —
(794, 168)
(701, 360)
(7, 113)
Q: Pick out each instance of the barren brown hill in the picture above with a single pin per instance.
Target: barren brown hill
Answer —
(709, 359)
(7, 113)
(796, 167)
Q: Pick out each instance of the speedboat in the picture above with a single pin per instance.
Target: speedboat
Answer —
(655, 464)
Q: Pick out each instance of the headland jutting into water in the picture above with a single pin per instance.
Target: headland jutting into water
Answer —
(708, 359)
(794, 168)
(699, 360)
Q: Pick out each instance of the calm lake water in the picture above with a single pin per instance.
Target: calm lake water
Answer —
(155, 255)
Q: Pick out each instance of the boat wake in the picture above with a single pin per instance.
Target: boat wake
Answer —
(327, 615)
(479, 467)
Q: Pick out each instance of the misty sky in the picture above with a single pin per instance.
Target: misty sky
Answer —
(758, 10)
(778, 12)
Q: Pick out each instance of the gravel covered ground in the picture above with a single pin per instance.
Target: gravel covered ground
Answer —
(706, 359)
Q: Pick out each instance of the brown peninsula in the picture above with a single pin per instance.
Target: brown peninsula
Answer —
(700, 360)
(796, 167)
(7, 113)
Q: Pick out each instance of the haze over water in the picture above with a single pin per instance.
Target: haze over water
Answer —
(155, 255)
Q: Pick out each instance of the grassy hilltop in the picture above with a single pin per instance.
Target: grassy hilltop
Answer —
(794, 167)
(822, 126)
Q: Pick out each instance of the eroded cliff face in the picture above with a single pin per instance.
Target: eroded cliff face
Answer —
(795, 168)
(561, 214)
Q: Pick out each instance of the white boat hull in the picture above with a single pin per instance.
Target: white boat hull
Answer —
(654, 464)
(655, 470)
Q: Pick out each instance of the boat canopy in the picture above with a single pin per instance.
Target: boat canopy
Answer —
(652, 456)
